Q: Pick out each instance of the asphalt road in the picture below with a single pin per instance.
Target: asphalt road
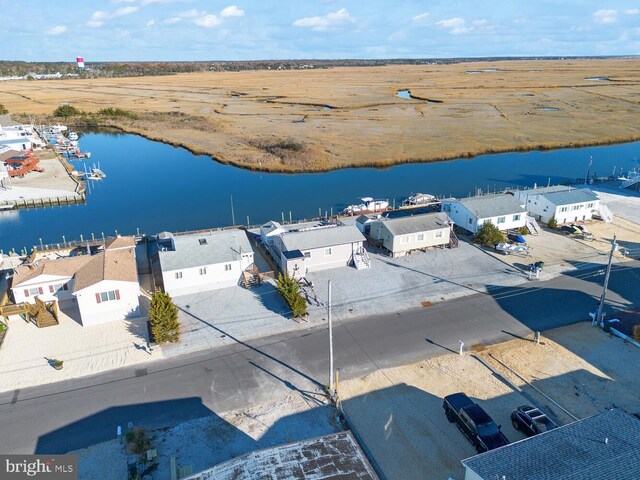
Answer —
(76, 413)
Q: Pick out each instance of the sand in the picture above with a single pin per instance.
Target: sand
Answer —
(277, 120)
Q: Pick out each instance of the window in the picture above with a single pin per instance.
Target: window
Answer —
(439, 234)
(203, 271)
(108, 296)
(202, 241)
(420, 237)
(307, 254)
(576, 207)
(564, 209)
(178, 275)
(501, 220)
(33, 291)
(590, 205)
(327, 252)
(227, 267)
(405, 239)
(516, 217)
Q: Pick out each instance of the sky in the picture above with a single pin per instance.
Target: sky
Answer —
(186, 30)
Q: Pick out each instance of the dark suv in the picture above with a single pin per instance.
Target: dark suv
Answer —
(530, 421)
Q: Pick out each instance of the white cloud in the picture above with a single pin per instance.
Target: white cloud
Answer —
(57, 30)
(191, 13)
(208, 21)
(632, 11)
(232, 11)
(606, 17)
(170, 21)
(328, 22)
(455, 25)
(122, 11)
(420, 18)
(151, 22)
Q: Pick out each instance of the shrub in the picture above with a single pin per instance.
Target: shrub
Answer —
(552, 223)
(66, 111)
(163, 315)
(117, 112)
(488, 234)
(290, 290)
(523, 231)
(3, 110)
(57, 363)
(137, 441)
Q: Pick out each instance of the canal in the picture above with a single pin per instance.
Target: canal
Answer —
(153, 187)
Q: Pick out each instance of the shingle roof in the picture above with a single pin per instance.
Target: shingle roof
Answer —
(221, 246)
(116, 262)
(416, 223)
(564, 195)
(487, 206)
(604, 446)
(321, 237)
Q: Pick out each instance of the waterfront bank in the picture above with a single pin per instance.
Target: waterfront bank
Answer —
(151, 187)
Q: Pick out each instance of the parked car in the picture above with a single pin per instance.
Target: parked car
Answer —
(473, 422)
(586, 234)
(571, 230)
(531, 421)
(516, 238)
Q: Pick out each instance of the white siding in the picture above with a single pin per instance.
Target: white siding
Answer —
(401, 244)
(214, 276)
(46, 283)
(467, 220)
(317, 259)
(542, 209)
(94, 313)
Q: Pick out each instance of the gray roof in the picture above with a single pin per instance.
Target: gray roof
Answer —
(564, 195)
(492, 205)
(604, 446)
(321, 237)
(416, 223)
(221, 246)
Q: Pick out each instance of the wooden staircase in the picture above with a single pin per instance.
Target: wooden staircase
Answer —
(251, 277)
(532, 225)
(43, 314)
(361, 259)
(453, 240)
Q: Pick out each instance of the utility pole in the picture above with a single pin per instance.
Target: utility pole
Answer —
(331, 385)
(599, 318)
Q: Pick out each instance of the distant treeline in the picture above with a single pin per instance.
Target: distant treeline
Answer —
(134, 69)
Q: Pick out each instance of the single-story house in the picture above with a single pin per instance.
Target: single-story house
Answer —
(502, 209)
(319, 248)
(363, 223)
(197, 262)
(404, 234)
(603, 447)
(566, 204)
(104, 286)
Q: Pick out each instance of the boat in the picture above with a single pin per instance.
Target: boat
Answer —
(509, 248)
(420, 199)
(73, 136)
(369, 205)
(97, 174)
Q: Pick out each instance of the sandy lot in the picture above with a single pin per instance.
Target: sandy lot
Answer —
(205, 442)
(398, 411)
(316, 120)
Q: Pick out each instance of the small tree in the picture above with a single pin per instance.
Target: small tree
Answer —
(66, 111)
(488, 234)
(290, 290)
(552, 223)
(163, 315)
(3, 110)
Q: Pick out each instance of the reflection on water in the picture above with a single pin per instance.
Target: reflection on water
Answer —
(403, 94)
(155, 187)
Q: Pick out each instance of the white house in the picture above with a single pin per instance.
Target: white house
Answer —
(566, 204)
(19, 137)
(503, 210)
(417, 232)
(198, 262)
(319, 248)
(104, 286)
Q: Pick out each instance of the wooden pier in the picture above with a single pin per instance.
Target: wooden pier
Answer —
(23, 203)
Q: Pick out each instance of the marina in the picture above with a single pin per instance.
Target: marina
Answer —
(152, 187)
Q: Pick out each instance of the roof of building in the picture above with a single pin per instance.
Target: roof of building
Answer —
(321, 237)
(270, 227)
(336, 455)
(564, 195)
(601, 446)
(416, 223)
(293, 254)
(493, 205)
(208, 248)
(8, 154)
(116, 262)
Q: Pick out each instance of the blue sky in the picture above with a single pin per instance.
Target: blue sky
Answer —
(127, 30)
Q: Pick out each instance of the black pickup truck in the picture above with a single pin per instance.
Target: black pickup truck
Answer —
(473, 422)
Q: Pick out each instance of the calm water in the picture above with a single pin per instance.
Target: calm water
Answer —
(155, 187)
